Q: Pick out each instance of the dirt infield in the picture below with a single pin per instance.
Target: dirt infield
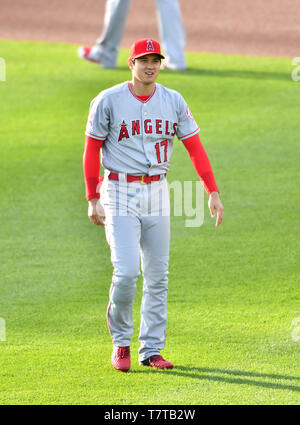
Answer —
(251, 27)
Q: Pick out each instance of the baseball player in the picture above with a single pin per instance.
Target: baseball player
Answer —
(171, 29)
(134, 124)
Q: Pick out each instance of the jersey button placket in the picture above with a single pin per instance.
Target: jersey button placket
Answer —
(144, 114)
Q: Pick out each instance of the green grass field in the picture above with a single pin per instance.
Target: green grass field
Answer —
(233, 291)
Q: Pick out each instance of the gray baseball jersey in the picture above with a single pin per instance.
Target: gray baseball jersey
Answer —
(139, 135)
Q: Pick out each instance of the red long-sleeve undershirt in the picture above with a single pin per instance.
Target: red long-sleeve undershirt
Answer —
(196, 151)
(91, 166)
(201, 163)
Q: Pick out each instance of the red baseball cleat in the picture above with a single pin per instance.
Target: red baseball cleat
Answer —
(87, 54)
(121, 358)
(158, 362)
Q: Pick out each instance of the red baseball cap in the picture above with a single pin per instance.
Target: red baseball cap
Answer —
(143, 47)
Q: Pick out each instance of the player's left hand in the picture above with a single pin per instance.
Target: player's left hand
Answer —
(215, 204)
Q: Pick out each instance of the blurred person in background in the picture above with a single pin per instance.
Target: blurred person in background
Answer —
(171, 29)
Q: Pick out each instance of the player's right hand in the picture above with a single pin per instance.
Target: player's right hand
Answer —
(96, 212)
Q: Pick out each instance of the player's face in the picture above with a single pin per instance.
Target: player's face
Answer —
(146, 68)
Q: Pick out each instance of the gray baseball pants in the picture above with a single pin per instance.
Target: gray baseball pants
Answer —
(138, 233)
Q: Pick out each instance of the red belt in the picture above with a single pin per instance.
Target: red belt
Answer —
(142, 179)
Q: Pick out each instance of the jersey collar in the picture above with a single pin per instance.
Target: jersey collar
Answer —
(136, 97)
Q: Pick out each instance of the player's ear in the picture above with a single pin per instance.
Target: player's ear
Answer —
(130, 63)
